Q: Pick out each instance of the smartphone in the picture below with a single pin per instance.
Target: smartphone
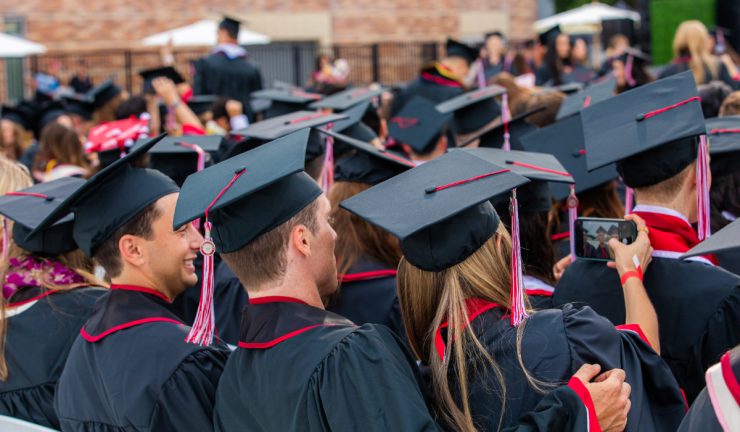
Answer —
(593, 234)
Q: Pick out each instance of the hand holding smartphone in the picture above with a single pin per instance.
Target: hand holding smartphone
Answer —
(592, 237)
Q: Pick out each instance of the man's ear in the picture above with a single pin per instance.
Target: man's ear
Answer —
(130, 248)
(301, 240)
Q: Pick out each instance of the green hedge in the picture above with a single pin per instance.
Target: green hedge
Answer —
(666, 15)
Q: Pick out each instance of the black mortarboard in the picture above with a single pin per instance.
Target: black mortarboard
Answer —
(22, 114)
(347, 98)
(552, 33)
(231, 25)
(564, 140)
(592, 94)
(80, 105)
(353, 127)
(367, 164)
(418, 124)
(724, 144)
(651, 130)
(493, 135)
(454, 48)
(601, 229)
(102, 93)
(177, 158)
(110, 199)
(28, 207)
(201, 103)
(285, 101)
(47, 113)
(474, 109)
(569, 88)
(726, 239)
(260, 105)
(439, 210)
(271, 189)
(539, 168)
(148, 75)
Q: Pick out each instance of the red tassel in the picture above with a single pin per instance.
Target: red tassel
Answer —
(6, 242)
(204, 326)
(516, 299)
(201, 155)
(506, 118)
(629, 197)
(327, 180)
(572, 216)
(702, 189)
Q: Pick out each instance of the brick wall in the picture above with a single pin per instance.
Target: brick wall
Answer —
(104, 24)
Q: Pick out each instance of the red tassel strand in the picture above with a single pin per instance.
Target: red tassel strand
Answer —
(327, 180)
(506, 118)
(516, 299)
(629, 198)
(572, 216)
(702, 186)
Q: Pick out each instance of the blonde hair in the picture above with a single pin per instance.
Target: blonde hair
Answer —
(13, 176)
(692, 39)
(428, 299)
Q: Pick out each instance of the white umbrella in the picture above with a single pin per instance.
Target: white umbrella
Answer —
(201, 33)
(14, 46)
(587, 18)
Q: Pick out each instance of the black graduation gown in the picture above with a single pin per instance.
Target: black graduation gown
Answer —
(131, 370)
(555, 344)
(300, 368)
(368, 296)
(431, 85)
(229, 298)
(236, 78)
(705, 412)
(41, 327)
(698, 309)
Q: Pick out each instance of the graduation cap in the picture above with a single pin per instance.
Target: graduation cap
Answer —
(539, 168)
(110, 199)
(592, 94)
(202, 103)
(347, 98)
(724, 144)
(180, 156)
(474, 109)
(259, 105)
(726, 239)
(600, 230)
(149, 75)
(285, 101)
(47, 113)
(569, 88)
(564, 140)
(493, 135)
(353, 127)
(650, 130)
(102, 93)
(454, 48)
(242, 198)
(632, 57)
(367, 164)
(79, 105)
(440, 212)
(545, 37)
(28, 207)
(418, 124)
(230, 24)
(21, 114)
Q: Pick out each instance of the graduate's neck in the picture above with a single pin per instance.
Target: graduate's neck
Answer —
(303, 289)
(683, 203)
(140, 279)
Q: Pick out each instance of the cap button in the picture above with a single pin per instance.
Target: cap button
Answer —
(430, 189)
(640, 117)
(240, 170)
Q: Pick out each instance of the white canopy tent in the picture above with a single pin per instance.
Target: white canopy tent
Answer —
(201, 33)
(14, 46)
(585, 19)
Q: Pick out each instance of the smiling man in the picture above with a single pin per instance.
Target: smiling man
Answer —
(131, 368)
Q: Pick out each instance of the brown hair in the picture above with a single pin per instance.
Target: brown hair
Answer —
(692, 39)
(108, 254)
(107, 112)
(731, 105)
(15, 148)
(264, 259)
(428, 299)
(667, 189)
(60, 145)
(551, 100)
(517, 94)
(601, 202)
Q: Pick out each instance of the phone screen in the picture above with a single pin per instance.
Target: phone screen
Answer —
(593, 234)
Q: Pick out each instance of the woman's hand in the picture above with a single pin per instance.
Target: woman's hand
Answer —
(559, 268)
(625, 255)
(166, 89)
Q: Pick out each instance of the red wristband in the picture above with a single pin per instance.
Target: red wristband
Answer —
(632, 273)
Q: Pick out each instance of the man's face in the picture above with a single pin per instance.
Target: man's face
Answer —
(170, 254)
(323, 262)
(494, 45)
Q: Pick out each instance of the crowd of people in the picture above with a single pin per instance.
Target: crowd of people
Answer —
(217, 255)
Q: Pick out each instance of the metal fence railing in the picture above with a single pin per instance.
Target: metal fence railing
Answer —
(291, 62)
